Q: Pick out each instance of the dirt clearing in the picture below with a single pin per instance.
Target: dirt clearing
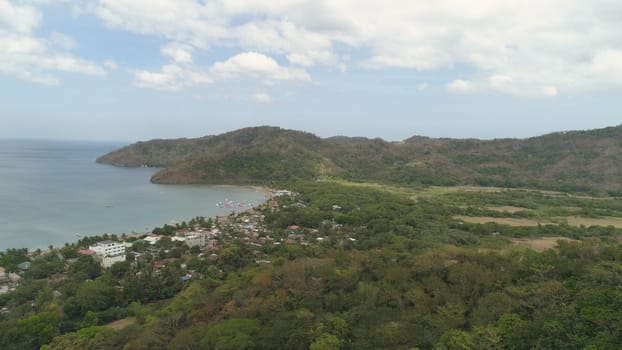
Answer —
(120, 324)
(502, 221)
(600, 221)
(540, 244)
(509, 209)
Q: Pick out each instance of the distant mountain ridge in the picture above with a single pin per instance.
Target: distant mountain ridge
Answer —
(575, 160)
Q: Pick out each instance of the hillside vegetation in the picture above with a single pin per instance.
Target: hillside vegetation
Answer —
(578, 161)
(340, 266)
(354, 254)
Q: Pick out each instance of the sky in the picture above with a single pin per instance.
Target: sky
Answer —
(142, 69)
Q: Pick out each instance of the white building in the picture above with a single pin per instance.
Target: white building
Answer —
(152, 239)
(178, 239)
(196, 239)
(109, 252)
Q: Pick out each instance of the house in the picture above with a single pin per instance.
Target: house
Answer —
(196, 239)
(15, 278)
(86, 252)
(25, 266)
(160, 264)
(8, 281)
(183, 232)
(3, 276)
(4, 283)
(108, 252)
(283, 193)
(152, 239)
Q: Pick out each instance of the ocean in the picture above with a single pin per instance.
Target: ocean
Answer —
(53, 192)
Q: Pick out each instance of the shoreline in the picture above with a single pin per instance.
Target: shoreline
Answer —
(263, 189)
(39, 240)
(266, 193)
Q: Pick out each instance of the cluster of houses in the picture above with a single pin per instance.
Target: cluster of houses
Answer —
(8, 280)
(109, 252)
(248, 226)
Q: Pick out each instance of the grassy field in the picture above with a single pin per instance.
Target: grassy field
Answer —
(570, 220)
(541, 243)
(601, 221)
(120, 324)
(508, 208)
(373, 185)
(515, 207)
(503, 221)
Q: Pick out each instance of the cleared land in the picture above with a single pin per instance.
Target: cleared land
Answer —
(601, 221)
(373, 185)
(502, 221)
(570, 220)
(540, 244)
(120, 324)
(508, 208)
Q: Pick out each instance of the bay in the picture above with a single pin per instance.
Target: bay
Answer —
(52, 192)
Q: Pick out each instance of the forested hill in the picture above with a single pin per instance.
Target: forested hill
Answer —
(575, 161)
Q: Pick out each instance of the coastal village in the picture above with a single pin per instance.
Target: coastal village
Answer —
(196, 248)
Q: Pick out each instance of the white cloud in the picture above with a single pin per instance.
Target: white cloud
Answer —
(16, 45)
(18, 19)
(179, 75)
(257, 65)
(549, 90)
(35, 59)
(543, 47)
(500, 82)
(261, 98)
(168, 79)
(71, 64)
(299, 45)
(422, 87)
(62, 41)
(460, 86)
(171, 77)
(300, 59)
(110, 64)
(178, 52)
(188, 21)
(607, 62)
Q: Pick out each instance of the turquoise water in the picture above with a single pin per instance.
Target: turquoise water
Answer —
(50, 191)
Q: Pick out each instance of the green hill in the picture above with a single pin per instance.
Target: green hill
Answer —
(349, 265)
(575, 161)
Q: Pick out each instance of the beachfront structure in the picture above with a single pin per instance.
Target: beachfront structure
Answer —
(108, 252)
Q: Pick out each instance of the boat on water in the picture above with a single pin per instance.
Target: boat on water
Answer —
(233, 204)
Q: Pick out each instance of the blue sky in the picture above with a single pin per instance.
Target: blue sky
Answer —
(135, 70)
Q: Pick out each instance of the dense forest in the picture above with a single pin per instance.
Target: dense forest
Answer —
(576, 161)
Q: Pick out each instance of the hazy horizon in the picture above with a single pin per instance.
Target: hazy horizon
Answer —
(122, 143)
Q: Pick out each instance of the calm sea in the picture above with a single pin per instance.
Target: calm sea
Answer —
(53, 191)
